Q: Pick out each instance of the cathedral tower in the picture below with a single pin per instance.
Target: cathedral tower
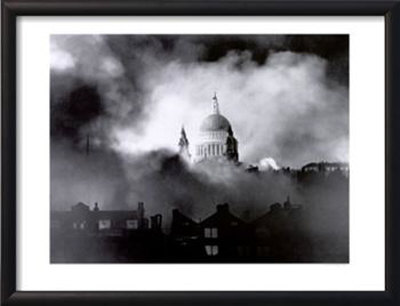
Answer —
(184, 145)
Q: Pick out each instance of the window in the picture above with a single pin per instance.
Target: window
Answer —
(212, 250)
(211, 232)
(131, 224)
(244, 251)
(79, 225)
(104, 224)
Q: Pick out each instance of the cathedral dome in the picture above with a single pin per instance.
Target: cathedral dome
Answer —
(215, 122)
(216, 139)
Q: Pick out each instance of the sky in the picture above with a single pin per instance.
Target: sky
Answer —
(286, 97)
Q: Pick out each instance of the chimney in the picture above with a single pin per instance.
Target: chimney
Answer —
(156, 222)
(140, 210)
(287, 204)
(175, 212)
(96, 207)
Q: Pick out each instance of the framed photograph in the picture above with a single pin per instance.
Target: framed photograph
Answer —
(211, 153)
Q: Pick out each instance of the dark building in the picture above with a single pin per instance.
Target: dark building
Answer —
(226, 237)
(280, 235)
(326, 167)
(108, 222)
(222, 237)
(185, 240)
(82, 235)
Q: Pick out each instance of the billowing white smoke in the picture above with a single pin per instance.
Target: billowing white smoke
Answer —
(287, 108)
(268, 163)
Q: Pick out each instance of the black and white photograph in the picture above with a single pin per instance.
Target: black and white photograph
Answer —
(200, 149)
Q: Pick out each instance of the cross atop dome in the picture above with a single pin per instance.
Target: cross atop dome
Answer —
(215, 106)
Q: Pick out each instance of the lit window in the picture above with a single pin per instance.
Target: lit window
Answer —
(214, 232)
(212, 250)
(104, 224)
(211, 232)
(131, 224)
(79, 225)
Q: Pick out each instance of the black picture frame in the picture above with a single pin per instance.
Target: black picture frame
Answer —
(13, 9)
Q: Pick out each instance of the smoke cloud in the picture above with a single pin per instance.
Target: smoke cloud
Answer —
(118, 104)
(285, 105)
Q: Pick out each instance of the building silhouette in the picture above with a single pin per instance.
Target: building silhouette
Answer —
(326, 167)
(281, 234)
(94, 235)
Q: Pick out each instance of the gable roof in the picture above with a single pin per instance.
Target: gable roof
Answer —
(222, 217)
(178, 218)
(80, 206)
